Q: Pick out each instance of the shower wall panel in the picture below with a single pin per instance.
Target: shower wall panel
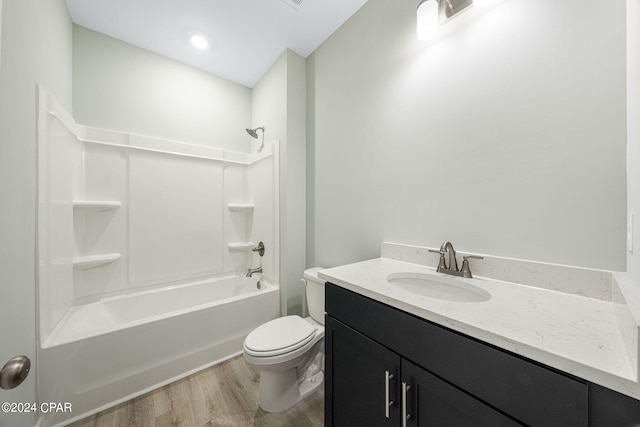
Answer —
(175, 216)
(104, 177)
(59, 165)
(120, 212)
(262, 190)
(238, 223)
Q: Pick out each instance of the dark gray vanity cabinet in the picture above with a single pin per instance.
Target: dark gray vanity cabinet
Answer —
(431, 401)
(358, 397)
(376, 355)
(373, 386)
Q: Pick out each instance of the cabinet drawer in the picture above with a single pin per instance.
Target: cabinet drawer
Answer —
(526, 390)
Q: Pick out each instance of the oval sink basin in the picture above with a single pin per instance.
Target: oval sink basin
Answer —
(448, 289)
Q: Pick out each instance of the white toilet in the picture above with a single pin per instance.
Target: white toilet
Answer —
(288, 351)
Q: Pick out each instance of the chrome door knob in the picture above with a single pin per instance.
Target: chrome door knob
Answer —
(14, 372)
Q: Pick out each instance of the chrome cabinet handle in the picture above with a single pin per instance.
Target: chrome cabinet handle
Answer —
(387, 403)
(405, 417)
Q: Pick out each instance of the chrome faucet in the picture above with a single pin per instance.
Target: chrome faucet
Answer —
(252, 271)
(452, 268)
(453, 262)
(260, 250)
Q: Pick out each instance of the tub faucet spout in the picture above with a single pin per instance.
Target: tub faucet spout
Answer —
(253, 270)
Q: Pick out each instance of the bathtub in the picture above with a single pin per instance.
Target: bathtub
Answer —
(105, 352)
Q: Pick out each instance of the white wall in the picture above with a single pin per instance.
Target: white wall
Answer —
(295, 181)
(269, 103)
(505, 135)
(633, 131)
(123, 87)
(36, 47)
(279, 104)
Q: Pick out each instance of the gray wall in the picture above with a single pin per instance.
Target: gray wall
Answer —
(123, 87)
(633, 131)
(505, 135)
(36, 48)
(279, 104)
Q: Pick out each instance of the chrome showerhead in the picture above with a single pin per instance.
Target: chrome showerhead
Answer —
(254, 132)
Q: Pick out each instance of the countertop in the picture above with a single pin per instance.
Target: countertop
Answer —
(580, 335)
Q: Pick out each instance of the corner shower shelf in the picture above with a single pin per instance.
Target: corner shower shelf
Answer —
(95, 205)
(93, 261)
(241, 246)
(241, 207)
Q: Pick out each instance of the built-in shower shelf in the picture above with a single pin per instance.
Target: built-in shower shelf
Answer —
(241, 246)
(93, 261)
(96, 205)
(241, 207)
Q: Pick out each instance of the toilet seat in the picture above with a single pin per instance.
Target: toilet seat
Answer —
(279, 336)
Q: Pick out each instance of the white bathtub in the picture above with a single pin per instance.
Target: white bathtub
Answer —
(106, 352)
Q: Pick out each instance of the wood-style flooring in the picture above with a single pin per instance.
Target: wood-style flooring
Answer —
(223, 395)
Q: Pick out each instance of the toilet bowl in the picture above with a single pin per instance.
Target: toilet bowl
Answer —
(288, 352)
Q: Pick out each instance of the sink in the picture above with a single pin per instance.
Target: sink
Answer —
(429, 286)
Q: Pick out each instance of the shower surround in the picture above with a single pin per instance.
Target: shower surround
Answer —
(142, 242)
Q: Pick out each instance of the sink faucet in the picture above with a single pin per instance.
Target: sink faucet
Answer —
(452, 268)
(453, 262)
(253, 270)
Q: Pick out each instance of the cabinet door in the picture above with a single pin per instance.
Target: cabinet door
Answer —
(433, 402)
(356, 381)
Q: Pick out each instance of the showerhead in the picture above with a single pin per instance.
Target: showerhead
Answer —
(254, 132)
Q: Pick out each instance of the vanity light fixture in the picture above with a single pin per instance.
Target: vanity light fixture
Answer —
(432, 13)
(427, 25)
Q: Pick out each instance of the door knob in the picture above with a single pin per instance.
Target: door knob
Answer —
(14, 372)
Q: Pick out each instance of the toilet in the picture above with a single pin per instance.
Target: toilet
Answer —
(288, 351)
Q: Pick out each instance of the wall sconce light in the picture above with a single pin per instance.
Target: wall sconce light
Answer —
(427, 19)
(432, 13)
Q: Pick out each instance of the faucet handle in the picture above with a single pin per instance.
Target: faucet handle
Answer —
(259, 249)
(466, 271)
(442, 264)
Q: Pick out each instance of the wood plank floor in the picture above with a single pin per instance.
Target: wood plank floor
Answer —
(223, 395)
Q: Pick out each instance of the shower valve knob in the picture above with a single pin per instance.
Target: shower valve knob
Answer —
(259, 249)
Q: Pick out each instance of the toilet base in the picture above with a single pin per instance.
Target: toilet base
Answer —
(280, 391)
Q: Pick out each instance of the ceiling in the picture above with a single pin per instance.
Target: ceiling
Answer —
(245, 36)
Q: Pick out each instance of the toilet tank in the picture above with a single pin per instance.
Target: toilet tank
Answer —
(315, 294)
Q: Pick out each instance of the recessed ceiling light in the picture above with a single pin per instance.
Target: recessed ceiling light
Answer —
(199, 41)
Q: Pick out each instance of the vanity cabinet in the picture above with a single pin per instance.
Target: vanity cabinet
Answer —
(399, 390)
(382, 363)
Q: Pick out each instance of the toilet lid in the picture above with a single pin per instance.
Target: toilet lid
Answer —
(285, 333)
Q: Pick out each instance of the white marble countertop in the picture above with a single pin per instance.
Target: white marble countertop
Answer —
(573, 333)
